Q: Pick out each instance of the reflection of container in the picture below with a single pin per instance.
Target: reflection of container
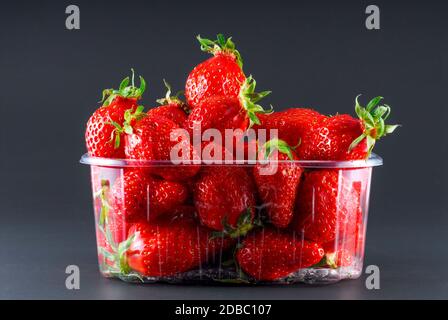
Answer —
(343, 256)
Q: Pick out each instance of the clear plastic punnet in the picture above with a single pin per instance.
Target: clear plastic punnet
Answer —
(151, 229)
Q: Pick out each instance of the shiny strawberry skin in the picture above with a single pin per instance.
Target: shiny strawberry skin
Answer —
(278, 191)
(99, 134)
(219, 75)
(171, 247)
(223, 193)
(331, 139)
(293, 125)
(269, 254)
(136, 194)
(150, 140)
(328, 205)
(218, 112)
(172, 111)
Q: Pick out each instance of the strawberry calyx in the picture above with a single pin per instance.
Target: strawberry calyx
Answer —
(117, 255)
(249, 98)
(129, 117)
(277, 144)
(373, 118)
(172, 100)
(221, 46)
(125, 90)
(244, 224)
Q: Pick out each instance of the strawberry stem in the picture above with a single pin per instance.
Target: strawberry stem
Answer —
(249, 98)
(373, 117)
(276, 144)
(169, 99)
(220, 46)
(129, 117)
(124, 90)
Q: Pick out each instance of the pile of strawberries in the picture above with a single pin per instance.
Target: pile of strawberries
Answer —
(163, 220)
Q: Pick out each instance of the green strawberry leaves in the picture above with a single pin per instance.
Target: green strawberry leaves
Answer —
(117, 255)
(129, 117)
(373, 117)
(220, 45)
(249, 98)
(124, 90)
(244, 224)
(280, 145)
(169, 99)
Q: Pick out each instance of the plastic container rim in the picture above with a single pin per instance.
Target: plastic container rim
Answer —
(373, 161)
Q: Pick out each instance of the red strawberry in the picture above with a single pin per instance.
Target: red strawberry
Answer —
(171, 247)
(102, 135)
(222, 196)
(112, 227)
(136, 194)
(342, 252)
(220, 75)
(270, 254)
(339, 137)
(227, 112)
(328, 204)
(278, 189)
(292, 124)
(171, 107)
(150, 140)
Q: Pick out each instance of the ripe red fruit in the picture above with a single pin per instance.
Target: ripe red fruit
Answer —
(136, 194)
(292, 124)
(278, 190)
(342, 252)
(227, 112)
(171, 247)
(220, 75)
(328, 204)
(103, 139)
(150, 140)
(269, 254)
(223, 195)
(171, 107)
(339, 137)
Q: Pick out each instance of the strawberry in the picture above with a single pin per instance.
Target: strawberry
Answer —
(269, 254)
(328, 204)
(102, 136)
(223, 196)
(342, 252)
(339, 137)
(278, 189)
(220, 75)
(171, 107)
(227, 112)
(292, 125)
(136, 194)
(171, 247)
(150, 140)
(112, 226)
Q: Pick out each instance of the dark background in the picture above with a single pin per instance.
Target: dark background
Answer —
(309, 53)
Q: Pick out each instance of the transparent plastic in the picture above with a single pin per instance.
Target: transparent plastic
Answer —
(184, 250)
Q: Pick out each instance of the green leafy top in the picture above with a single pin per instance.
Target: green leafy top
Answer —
(125, 90)
(281, 145)
(220, 45)
(129, 117)
(169, 99)
(373, 117)
(249, 98)
(244, 224)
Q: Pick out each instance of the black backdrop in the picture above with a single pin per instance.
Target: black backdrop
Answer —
(309, 53)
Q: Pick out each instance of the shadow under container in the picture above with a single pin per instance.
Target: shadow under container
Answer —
(188, 257)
